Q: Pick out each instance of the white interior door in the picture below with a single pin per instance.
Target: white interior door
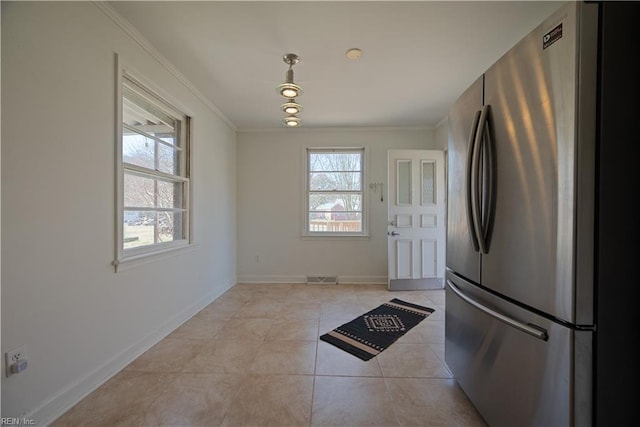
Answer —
(416, 222)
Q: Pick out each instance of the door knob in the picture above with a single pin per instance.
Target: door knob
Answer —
(393, 233)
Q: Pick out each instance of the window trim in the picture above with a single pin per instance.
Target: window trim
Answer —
(134, 256)
(317, 235)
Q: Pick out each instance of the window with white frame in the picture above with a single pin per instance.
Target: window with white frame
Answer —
(335, 197)
(153, 171)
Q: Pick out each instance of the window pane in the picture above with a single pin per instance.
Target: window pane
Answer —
(146, 192)
(138, 228)
(141, 151)
(138, 150)
(428, 178)
(330, 181)
(169, 194)
(139, 191)
(349, 222)
(169, 138)
(168, 160)
(143, 115)
(404, 182)
(332, 162)
(335, 202)
(143, 228)
(169, 226)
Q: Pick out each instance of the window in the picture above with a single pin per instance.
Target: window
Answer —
(335, 198)
(153, 169)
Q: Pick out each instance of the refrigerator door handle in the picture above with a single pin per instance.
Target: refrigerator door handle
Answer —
(470, 182)
(476, 181)
(532, 330)
(488, 196)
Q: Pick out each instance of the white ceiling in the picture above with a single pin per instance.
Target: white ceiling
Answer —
(418, 56)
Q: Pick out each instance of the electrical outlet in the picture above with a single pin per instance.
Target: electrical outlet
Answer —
(12, 357)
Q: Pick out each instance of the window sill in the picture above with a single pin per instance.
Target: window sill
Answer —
(132, 261)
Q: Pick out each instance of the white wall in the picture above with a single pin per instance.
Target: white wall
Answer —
(441, 134)
(80, 321)
(270, 204)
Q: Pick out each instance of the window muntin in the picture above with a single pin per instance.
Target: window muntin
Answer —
(335, 198)
(154, 181)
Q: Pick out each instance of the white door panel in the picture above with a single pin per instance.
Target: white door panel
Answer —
(429, 258)
(404, 258)
(416, 231)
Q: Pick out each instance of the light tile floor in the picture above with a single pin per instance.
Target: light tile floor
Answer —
(253, 358)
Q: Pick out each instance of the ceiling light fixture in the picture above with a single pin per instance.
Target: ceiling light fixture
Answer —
(289, 89)
(354, 53)
(291, 107)
(292, 121)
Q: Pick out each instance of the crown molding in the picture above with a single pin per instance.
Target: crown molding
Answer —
(132, 32)
(442, 122)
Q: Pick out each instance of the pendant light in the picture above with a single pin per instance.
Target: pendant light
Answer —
(291, 107)
(290, 91)
(291, 121)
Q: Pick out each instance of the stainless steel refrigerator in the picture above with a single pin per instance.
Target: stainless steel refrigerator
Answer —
(541, 180)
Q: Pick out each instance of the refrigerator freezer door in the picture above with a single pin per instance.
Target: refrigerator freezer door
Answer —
(462, 257)
(513, 376)
(532, 94)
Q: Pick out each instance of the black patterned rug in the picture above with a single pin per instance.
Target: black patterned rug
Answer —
(373, 332)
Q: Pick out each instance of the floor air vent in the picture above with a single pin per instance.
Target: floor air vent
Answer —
(319, 280)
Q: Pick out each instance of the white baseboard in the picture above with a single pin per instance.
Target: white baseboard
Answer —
(271, 279)
(364, 280)
(368, 280)
(62, 401)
